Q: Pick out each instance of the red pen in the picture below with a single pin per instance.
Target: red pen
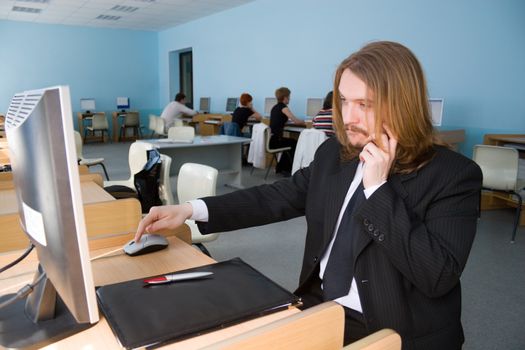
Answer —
(177, 277)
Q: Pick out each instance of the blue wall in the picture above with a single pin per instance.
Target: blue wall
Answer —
(94, 62)
(473, 53)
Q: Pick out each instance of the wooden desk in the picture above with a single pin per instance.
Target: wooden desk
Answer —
(120, 267)
(510, 140)
(209, 124)
(453, 137)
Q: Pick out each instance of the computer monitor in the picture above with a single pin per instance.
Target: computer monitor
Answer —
(87, 104)
(231, 104)
(47, 184)
(436, 110)
(313, 106)
(269, 102)
(122, 103)
(204, 105)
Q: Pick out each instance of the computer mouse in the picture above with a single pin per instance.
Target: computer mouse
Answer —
(148, 243)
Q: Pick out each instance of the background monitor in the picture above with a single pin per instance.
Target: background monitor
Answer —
(436, 110)
(313, 106)
(269, 102)
(231, 104)
(87, 104)
(204, 105)
(47, 183)
(122, 103)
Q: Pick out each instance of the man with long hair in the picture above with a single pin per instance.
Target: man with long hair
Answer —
(391, 211)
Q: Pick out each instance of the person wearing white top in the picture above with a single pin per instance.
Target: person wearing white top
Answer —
(175, 110)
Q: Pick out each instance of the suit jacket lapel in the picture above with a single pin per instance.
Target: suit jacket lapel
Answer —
(337, 187)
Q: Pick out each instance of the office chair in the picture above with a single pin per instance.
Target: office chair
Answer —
(196, 181)
(87, 161)
(499, 166)
(165, 193)
(131, 121)
(309, 140)
(230, 129)
(273, 151)
(160, 127)
(137, 158)
(152, 125)
(181, 133)
(99, 122)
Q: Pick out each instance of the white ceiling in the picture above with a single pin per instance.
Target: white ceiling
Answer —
(151, 15)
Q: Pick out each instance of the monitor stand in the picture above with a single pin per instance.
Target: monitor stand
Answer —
(22, 327)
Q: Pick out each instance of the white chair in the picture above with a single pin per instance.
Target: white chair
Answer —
(273, 151)
(137, 158)
(152, 125)
(181, 133)
(99, 122)
(499, 166)
(131, 121)
(196, 181)
(87, 161)
(160, 127)
(309, 140)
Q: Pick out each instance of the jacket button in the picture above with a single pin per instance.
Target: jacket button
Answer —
(366, 222)
(376, 233)
(315, 259)
(381, 238)
(371, 227)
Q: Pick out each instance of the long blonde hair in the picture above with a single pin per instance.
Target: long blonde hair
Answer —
(395, 78)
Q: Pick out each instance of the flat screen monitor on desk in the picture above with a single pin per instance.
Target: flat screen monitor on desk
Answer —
(269, 102)
(87, 105)
(204, 105)
(436, 110)
(231, 104)
(313, 106)
(47, 185)
(123, 103)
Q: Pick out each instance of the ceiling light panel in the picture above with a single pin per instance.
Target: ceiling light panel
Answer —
(127, 9)
(26, 9)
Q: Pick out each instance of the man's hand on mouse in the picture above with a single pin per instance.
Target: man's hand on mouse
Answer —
(378, 160)
(164, 217)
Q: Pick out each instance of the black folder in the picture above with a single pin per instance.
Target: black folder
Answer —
(142, 315)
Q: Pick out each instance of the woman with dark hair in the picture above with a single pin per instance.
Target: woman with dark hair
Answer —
(323, 119)
(279, 116)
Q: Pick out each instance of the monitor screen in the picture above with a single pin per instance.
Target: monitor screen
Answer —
(269, 102)
(122, 102)
(436, 110)
(47, 184)
(204, 105)
(87, 104)
(231, 104)
(313, 106)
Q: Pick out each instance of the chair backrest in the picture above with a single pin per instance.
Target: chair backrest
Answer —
(230, 129)
(99, 121)
(267, 136)
(78, 145)
(182, 133)
(137, 156)
(499, 166)
(152, 125)
(160, 126)
(165, 193)
(309, 140)
(195, 181)
(178, 122)
(132, 119)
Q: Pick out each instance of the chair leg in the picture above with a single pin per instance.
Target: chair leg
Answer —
(105, 171)
(251, 171)
(270, 166)
(202, 248)
(517, 216)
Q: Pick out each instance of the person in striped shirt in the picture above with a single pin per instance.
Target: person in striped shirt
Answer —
(323, 119)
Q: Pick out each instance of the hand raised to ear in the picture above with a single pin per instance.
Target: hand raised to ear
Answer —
(378, 161)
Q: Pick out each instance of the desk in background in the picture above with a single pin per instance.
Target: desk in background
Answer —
(516, 141)
(219, 151)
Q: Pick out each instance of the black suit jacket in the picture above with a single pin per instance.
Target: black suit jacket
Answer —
(411, 240)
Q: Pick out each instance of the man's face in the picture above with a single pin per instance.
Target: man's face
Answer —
(356, 108)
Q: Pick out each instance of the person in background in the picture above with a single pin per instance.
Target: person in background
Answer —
(279, 116)
(245, 111)
(175, 110)
(323, 119)
(391, 212)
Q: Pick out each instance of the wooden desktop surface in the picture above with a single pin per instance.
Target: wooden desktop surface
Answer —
(118, 267)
